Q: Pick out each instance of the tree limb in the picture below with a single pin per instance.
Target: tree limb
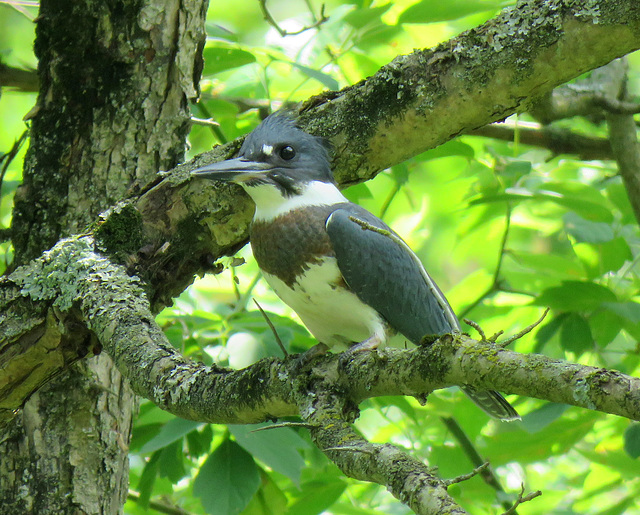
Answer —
(73, 278)
(557, 140)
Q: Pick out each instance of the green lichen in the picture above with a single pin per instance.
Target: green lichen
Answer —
(71, 273)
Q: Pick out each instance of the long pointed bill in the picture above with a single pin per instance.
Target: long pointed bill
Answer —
(232, 170)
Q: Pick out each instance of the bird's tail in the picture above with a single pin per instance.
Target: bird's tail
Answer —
(492, 403)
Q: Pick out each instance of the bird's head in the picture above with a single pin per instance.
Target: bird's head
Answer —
(278, 161)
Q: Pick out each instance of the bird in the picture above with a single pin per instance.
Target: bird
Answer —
(354, 283)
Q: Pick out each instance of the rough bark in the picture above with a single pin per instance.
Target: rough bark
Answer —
(115, 80)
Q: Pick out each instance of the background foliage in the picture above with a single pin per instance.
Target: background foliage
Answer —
(505, 229)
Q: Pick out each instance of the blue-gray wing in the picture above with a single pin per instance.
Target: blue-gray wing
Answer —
(386, 274)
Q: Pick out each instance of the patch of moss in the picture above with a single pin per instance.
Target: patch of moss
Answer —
(120, 234)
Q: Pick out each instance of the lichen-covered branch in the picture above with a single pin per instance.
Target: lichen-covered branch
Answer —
(74, 281)
(407, 478)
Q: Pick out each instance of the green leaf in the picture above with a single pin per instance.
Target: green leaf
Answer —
(576, 296)
(358, 192)
(270, 500)
(547, 331)
(219, 57)
(142, 434)
(199, 442)
(587, 231)
(575, 335)
(172, 431)
(171, 462)
(584, 199)
(358, 18)
(555, 439)
(400, 173)
(587, 206)
(632, 440)
(629, 310)
(218, 31)
(317, 496)
(540, 418)
(322, 78)
(551, 265)
(605, 326)
(227, 481)
(450, 148)
(613, 255)
(430, 11)
(276, 448)
(148, 479)
(378, 35)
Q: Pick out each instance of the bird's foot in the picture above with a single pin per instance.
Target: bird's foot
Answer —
(309, 355)
(371, 343)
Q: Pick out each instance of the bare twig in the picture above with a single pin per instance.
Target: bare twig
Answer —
(526, 330)
(205, 122)
(466, 477)
(615, 106)
(495, 337)
(495, 284)
(521, 499)
(7, 158)
(273, 329)
(557, 139)
(476, 326)
(626, 149)
(267, 16)
(158, 506)
(480, 464)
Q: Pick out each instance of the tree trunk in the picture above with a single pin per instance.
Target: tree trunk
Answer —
(115, 80)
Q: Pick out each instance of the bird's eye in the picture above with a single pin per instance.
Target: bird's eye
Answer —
(287, 153)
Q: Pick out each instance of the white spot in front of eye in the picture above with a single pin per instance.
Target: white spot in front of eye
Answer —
(267, 149)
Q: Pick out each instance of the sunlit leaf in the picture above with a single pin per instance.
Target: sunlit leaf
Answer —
(220, 57)
(430, 11)
(270, 500)
(450, 148)
(358, 18)
(555, 439)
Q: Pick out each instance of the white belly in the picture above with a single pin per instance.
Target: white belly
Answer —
(333, 315)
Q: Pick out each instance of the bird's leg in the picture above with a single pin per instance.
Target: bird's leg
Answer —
(373, 342)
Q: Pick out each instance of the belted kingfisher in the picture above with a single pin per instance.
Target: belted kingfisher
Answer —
(350, 278)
